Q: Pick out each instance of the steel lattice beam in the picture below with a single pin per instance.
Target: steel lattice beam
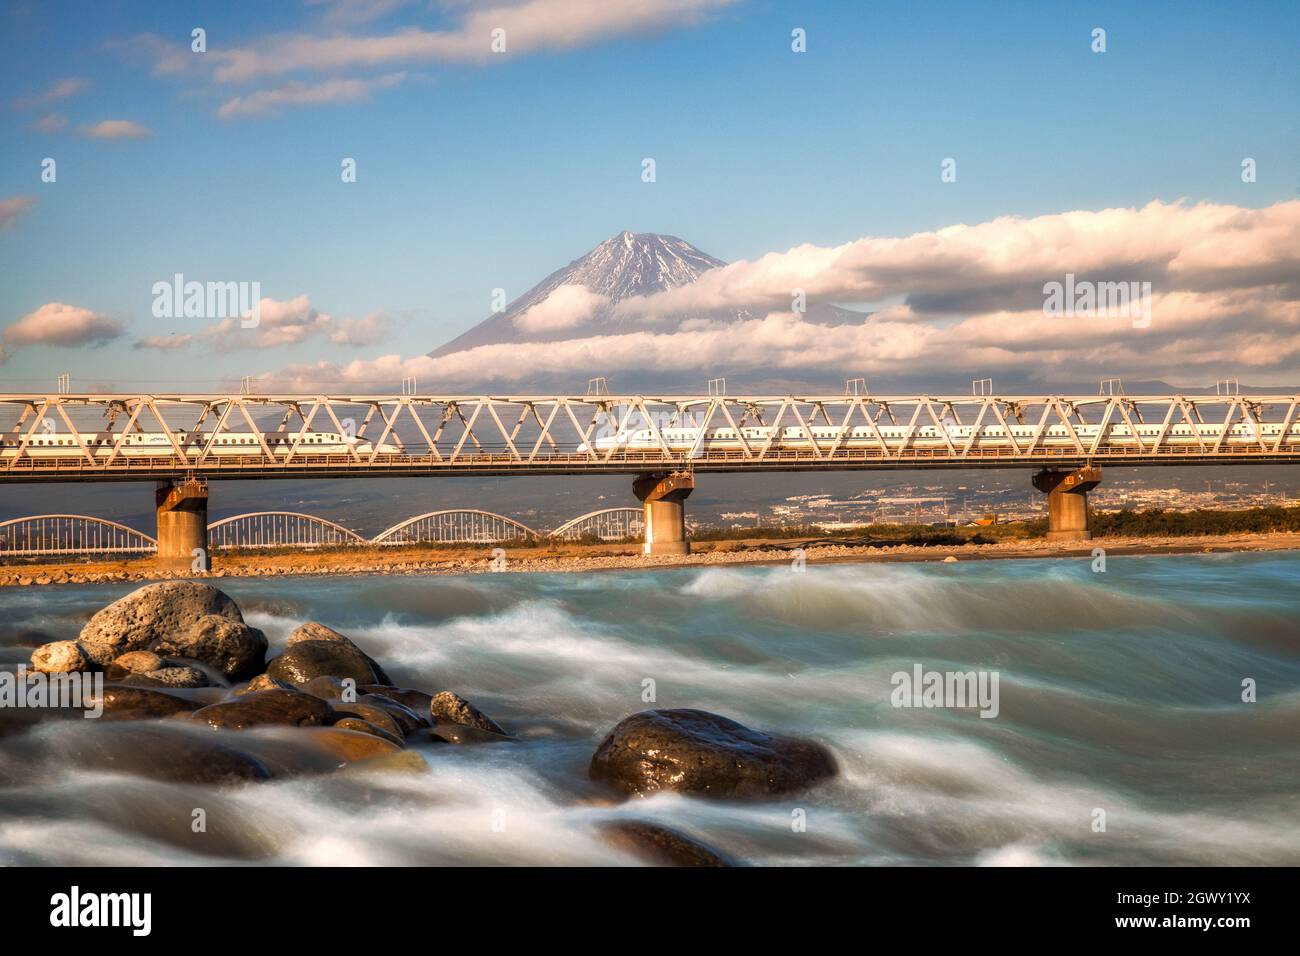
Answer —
(99, 436)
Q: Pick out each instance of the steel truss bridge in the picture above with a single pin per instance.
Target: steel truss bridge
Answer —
(67, 534)
(423, 435)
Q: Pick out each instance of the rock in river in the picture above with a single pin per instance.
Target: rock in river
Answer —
(284, 707)
(151, 613)
(703, 754)
(316, 631)
(60, 657)
(454, 709)
(305, 660)
(140, 703)
(232, 647)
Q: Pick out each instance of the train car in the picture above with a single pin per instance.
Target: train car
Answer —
(933, 437)
(157, 444)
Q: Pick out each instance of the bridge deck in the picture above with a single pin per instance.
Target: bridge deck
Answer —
(468, 435)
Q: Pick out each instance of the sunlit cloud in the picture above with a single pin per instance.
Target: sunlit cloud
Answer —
(116, 129)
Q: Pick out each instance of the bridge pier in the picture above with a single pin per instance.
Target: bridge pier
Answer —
(1067, 501)
(665, 512)
(182, 523)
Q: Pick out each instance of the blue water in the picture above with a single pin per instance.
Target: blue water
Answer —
(1119, 692)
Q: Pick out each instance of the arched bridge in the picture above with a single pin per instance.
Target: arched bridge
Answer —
(609, 524)
(70, 535)
(461, 527)
(40, 535)
(278, 529)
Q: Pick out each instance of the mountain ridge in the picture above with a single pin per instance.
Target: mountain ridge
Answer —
(624, 266)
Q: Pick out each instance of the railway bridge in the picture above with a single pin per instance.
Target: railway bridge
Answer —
(665, 443)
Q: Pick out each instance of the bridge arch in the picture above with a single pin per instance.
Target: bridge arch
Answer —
(456, 526)
(275, 529)
(609, 524)
(37, 535)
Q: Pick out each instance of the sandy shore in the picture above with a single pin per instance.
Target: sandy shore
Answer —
(577, 558)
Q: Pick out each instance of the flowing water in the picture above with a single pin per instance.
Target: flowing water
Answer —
(1119, 692)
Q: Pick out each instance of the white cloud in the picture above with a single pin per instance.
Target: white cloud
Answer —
(357, 11)
(116, 129)
(371, 330)
(50, 123)
(531, 26)
(14, 208)
(165, 342)
(566, 307)
(57, 323)
(269, 102)
(69, 86)
(284, 323)
(1225, 298)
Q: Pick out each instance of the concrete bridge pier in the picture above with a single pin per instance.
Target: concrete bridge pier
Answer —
(182, 524)
(665, 512)
(1067, 501)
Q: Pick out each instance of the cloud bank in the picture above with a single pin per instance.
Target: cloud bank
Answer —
(967, 299)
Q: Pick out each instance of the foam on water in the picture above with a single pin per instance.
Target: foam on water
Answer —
(1119, 691)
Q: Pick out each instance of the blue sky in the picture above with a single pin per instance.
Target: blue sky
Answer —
(476, 176)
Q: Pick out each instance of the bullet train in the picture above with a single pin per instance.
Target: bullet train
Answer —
(147, 444)
(930, 436)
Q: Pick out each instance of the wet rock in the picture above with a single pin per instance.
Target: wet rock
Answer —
(316, 631)
(160, 752)
(350, 745)
(445, 733)
(703, 754)
(284, 707)
(366, 727)
(171, 676)
(371, 714)
(230, 646)
(306, 660)
(60, 657)
(329, 688)
(133, 662)
(152, 613)
(662, 846)
(415, 700)
(261, 682)
(140, 703)
(454, 709)
(406, 718)
(403, 761)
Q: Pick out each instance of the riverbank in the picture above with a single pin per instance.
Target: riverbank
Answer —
(607, 557)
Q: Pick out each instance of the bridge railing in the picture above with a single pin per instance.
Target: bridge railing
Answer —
(123, 434)
(45, 535)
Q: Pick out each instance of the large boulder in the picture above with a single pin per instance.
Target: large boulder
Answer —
(172, 675)
(316, 631)
(60, 657)
(152, 613)
(231, 647)
(306, 660)
(453, 709)
(703, 754)
(263, 707)
(140, 703)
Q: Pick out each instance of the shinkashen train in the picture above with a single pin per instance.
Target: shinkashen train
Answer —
(157, 444)
(677, 440)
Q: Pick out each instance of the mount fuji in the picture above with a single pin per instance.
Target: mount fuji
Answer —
(580, 299)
